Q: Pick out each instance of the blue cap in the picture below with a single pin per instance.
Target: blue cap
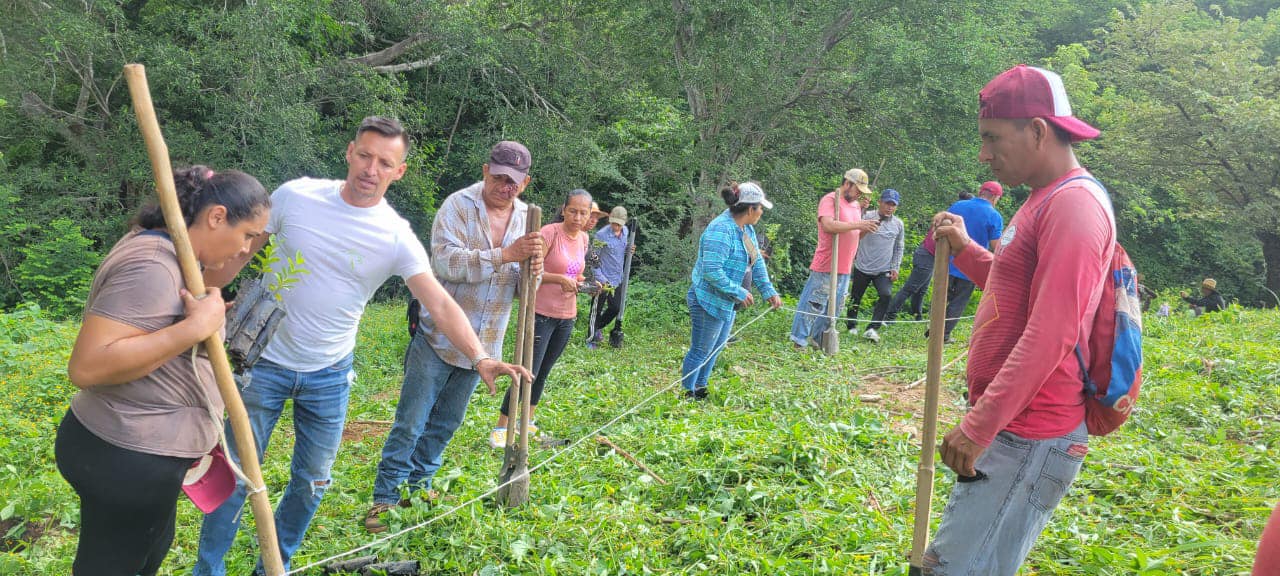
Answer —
(890, 195)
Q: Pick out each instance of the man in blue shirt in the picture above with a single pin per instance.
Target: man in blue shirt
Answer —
(615, 238)
(984, 226)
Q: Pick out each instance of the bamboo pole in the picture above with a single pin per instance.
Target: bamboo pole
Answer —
(831, 337)
(933, 378)
(136, 76)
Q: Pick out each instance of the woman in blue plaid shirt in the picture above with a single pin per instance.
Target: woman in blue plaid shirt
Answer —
(726, 250)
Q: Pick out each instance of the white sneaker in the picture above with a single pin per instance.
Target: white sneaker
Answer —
(871, 335)
(498, 438)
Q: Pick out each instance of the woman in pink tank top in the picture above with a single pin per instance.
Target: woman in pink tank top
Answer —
(556, 308)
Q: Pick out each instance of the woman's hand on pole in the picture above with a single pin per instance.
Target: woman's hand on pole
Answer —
(775, 302)
(208, 314)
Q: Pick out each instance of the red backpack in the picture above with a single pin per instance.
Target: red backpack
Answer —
(1111, 364)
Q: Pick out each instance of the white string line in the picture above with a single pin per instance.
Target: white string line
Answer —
(545, 462)
(799, 311)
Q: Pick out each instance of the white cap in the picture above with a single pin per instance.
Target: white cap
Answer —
(750, 193)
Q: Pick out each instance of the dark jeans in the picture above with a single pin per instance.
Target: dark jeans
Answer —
(915, 287)
(858, 282)
(958, 292)
(128, 501)
(550, 335)
(609, 313)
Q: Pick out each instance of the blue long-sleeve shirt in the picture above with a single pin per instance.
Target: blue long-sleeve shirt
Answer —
(612, 255)
(722, 263)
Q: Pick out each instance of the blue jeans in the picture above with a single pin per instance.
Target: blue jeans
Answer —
(708, 337)
(916, 285)
(319, 411)
(990, 524)
(433, 400)
(815, 299)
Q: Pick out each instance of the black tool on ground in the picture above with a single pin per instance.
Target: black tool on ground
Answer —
(369, 566)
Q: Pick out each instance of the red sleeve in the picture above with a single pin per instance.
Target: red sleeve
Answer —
(1267, 563)
(1074, 245)
(975, 262)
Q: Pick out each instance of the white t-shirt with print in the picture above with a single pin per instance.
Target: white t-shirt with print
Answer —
(350, 252)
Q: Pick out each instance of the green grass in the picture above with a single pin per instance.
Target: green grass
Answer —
(783, 471)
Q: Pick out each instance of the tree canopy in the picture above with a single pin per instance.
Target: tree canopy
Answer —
(648, 104)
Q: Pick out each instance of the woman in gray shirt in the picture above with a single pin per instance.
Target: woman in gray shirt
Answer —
(143, 414)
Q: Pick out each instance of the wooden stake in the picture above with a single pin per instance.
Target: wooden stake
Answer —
(630, 458)
(136, 76)
(933, 378)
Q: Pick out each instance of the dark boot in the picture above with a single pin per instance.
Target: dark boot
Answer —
(615, 339)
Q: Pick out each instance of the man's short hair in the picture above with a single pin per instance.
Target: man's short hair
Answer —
(389, 127)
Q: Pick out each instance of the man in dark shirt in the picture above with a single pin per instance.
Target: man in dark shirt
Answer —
(1209, 301)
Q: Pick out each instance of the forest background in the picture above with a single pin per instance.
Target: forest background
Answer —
(651, 105)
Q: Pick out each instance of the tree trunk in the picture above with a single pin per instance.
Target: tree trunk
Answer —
(1271, 258)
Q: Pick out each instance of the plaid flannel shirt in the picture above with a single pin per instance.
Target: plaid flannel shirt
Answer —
(467, 265)
(722, 263)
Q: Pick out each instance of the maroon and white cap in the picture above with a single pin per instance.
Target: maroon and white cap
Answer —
(1028, 92)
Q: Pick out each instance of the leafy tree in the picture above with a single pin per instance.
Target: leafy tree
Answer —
(1195, 124)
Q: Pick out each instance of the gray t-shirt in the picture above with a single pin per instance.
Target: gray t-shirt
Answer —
(881, 251)
(164, 412)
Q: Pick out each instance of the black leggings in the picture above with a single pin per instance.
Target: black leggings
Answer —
(128, 502)
(550, 335)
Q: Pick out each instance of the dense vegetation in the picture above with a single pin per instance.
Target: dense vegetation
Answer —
(649, 104)
(783, 471)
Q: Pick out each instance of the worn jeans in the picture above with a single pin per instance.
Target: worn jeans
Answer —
(858, 283)
(433, 401)
(811, 318)
(915, 286)
(990, 524)
(708, 337)
(319, 411)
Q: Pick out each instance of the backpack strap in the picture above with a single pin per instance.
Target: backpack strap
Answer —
(1090, 386)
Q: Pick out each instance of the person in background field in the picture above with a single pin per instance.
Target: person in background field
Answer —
(478, 243)
(565, 245)
(616, 239)
(353, 242)
(1020, 446)
(1146, 295)
(147, 408)
(726, 250)
(921, 275)
(984, 225)
(1209, 301)
(810, 319)
(878, 261)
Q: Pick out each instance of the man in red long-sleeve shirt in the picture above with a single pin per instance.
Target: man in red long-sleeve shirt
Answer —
(1022, 442)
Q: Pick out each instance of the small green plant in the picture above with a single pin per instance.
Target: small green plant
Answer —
(286, 275)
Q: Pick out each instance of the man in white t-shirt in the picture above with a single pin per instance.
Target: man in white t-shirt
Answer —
(352, 241)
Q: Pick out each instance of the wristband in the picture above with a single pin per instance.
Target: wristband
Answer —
(475, 362)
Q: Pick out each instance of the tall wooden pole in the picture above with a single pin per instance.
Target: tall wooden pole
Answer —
(136, 76)
(933, 379)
